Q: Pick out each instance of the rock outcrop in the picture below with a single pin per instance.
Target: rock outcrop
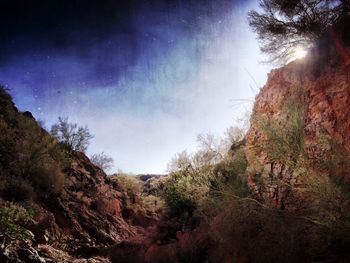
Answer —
(82, 222)
(89, 208)
(324, 101)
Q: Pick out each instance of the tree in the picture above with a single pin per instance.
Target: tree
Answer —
(181, 161)
(284, 25)
(71, 135)
(102, 160)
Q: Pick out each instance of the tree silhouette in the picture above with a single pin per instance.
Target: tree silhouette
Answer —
(102, 160)
(284, 25)
(71, 135)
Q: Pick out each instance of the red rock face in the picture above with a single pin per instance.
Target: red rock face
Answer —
(82, 222)
(89, 206)
(326, 103)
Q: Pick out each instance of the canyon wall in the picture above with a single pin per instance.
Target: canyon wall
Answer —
(320, 94)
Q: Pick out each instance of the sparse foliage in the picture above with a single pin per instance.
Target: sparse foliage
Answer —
(102, 160)
(181, 161)
(193, 176)
(71, 135)
(284, 25)
(318, 203)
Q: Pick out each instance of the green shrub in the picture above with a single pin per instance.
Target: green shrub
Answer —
(328, 203)
(284, 134)
(317, 229)
(178, 199)
(12, 218)
(154, 203)
(154, 186)
(6, 103)
(230, 174)
(126, 183)
(261, 233)
(196, 179)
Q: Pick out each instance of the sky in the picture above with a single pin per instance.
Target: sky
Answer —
(145, 76)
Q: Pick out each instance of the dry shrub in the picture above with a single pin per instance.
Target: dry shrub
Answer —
(242, 225)
(17, 189)
(260, 233)
(48, 179)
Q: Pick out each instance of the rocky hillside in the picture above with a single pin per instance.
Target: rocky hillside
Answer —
(56, 206)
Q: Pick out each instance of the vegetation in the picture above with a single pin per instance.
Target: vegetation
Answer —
(125, 182)
(284, 136)
(70, 135)
(102, 160)
(285, 25)
(154, 203)
(31, 160)
(315, 227)
(12, 219)
(193, 178)
(211, 185)
(138, 208)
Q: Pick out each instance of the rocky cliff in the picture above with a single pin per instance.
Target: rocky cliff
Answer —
(302, 112)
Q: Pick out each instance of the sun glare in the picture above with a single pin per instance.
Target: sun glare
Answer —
(299, 53)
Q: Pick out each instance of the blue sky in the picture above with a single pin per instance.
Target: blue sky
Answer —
(145, 89)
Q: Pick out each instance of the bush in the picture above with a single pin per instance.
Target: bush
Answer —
(328, 203)
(285, 135)
(194, 178)
(18, 190)
(178, 198)
(48, 179)
(154, 203)
(261, 233)
(137, 209)
(243, 225)
(315, 227)
(126, 183)
(31, 160)
(12, 218)
(6, 103)
(154, 186)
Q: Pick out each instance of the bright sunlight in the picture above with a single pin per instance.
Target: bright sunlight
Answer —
(299, 53)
